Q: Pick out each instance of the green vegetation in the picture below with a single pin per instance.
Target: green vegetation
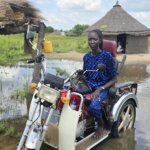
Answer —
(20, 94)
(63, 44)
(11, 131)
(12, 128)
(2, 128)
(49, 29)
(2, 109)
(61, 72)
(11, 48)
(79, 29)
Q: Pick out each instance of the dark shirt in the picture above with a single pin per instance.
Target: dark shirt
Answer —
(100, 78)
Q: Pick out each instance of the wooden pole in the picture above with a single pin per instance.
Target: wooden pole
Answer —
(27, 45)
(37, 66)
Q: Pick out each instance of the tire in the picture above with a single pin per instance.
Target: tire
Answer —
(125, 120)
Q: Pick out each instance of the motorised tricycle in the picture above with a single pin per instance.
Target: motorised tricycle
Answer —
(59, 114)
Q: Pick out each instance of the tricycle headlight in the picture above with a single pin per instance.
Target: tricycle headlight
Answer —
(48, 94)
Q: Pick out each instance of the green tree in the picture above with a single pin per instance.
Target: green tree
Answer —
(49, 29)
(78, 29)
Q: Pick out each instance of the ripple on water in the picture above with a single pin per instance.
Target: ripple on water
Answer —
(14, 77)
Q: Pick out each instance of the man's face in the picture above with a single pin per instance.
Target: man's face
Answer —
(93, 40)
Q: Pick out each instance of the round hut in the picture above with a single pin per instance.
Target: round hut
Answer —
(121, 27)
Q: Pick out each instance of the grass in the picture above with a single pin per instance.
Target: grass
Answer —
(2, 110)
(11, 46)
(63, 44)
(12, 128)
(2, 128)
(20, 94)
(61, 72)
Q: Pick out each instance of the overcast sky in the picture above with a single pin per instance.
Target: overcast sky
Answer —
(64, 14)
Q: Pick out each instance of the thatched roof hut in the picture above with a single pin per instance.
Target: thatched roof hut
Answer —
(14, 13)
(118, 25)
(13, 16)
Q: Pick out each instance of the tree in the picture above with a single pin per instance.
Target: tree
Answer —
(78, 29)
(49, 29)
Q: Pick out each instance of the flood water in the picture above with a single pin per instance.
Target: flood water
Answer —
(16, 77)
(13, 78)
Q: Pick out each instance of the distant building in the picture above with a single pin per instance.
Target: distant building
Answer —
(58, 32)
(118, 25)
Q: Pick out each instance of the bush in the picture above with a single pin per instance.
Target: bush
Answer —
(2, 128)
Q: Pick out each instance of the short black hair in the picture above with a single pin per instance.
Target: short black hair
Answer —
(100, 35)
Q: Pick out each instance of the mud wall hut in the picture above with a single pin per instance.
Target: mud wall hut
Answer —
(118, 25)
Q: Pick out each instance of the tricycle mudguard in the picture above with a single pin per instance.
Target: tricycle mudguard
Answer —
(67, 128)
(118, 105)
(68, 125)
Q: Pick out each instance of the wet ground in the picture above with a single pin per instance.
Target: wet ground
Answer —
(137, 139)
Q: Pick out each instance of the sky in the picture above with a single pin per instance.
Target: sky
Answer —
(65, 14)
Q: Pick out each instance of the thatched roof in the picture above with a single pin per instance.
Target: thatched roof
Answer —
(14, 13)
(118, 21)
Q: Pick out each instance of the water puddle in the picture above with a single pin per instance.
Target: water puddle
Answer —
(15, 77)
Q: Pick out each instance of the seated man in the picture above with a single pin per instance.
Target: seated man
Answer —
(99, 82)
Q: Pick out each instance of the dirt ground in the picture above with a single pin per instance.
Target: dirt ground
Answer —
(131, 58)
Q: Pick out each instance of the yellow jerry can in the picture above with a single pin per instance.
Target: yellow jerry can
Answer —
(47, 46)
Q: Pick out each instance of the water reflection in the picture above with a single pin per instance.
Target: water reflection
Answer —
(126, 142)
(134, 72)
(12, 78)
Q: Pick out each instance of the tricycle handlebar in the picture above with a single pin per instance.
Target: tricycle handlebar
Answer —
(36, 59)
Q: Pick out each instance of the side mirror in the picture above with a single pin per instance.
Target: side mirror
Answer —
(101, 67)
(30, 35)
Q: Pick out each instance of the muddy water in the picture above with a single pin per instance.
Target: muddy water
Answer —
(137, 139)
(13, 78)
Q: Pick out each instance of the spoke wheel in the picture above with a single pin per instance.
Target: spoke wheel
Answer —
(125, 119)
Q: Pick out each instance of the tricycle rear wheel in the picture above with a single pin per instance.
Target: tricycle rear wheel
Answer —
(125, 120)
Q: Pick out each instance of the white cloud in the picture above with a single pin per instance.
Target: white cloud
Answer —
(89, 5)
(67, 21)
(42, 1)
(53, 19)
(142, 17)
(64, 14)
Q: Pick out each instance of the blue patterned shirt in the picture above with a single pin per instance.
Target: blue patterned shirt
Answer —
(100, 78)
